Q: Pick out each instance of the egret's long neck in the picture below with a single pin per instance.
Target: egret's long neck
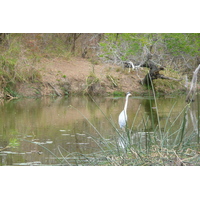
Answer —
(126, 104)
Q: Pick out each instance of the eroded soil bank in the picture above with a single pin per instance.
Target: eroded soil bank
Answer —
(80, 76)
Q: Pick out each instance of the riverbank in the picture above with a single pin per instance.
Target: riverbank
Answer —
(61, 76)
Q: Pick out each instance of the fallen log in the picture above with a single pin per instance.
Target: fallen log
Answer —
(57, 93)
(154, 73)
(170, 78)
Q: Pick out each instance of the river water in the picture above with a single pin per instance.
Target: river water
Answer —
(38, 131)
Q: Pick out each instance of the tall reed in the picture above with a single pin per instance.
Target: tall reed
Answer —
(147, 144)
(144, 146)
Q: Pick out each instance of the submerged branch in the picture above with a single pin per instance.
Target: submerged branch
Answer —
(193, 87)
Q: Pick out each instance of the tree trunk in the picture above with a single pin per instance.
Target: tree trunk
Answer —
(154, 73)
(75, 37)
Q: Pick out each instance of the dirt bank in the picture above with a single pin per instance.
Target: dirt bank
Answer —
(80, 76)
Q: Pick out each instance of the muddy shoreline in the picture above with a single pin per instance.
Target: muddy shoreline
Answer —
(78, 76)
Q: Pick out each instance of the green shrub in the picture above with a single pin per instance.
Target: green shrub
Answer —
(118, 94)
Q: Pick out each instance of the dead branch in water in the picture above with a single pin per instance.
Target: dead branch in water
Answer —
(10, 97)
(193, 87)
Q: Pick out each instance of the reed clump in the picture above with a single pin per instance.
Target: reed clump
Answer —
(150, 144)
(94, 86)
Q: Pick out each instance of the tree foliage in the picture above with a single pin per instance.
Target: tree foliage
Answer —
(179, 50)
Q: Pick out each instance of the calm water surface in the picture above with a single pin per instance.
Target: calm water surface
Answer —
(31, 128)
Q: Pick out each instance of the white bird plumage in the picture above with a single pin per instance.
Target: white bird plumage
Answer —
(122, 120)
(130, 65)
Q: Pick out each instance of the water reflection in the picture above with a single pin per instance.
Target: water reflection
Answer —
(68, 125)
(150, 110)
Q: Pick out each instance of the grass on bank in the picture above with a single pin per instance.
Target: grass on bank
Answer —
(19, 54)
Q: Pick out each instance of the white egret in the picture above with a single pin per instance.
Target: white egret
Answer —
(122, 120)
